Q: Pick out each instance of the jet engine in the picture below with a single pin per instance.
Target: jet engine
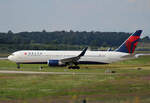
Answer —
(55, 63)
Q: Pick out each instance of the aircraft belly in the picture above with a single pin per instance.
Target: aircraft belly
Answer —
(95, 60)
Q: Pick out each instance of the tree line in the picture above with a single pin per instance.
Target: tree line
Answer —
(62, 40)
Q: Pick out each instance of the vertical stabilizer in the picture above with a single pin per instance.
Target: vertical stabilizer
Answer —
(130, 44)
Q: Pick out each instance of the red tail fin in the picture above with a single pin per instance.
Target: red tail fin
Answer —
(130, 44)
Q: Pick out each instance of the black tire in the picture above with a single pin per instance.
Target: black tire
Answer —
(70, 67)
(74, 67)
(18, 66)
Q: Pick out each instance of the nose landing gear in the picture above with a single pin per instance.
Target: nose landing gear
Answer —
(18, 66)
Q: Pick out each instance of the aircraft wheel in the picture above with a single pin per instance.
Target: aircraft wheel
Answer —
(41, 67)
(18, 66)
(74, 67)
(77, 67)
(70, 67)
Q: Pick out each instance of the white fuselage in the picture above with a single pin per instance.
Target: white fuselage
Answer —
(90, 57)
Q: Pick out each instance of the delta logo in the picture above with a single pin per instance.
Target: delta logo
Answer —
(131, 43)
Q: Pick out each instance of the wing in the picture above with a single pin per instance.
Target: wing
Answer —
(74, 59)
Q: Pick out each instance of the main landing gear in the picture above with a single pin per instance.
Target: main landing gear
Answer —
(74, 67)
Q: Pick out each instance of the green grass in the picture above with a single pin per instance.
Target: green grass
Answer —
(127, 85)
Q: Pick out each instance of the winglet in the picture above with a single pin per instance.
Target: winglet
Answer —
(83, 52)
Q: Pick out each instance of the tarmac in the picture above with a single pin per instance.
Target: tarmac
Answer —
(33, 72)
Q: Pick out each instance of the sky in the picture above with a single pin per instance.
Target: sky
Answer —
(76, 15)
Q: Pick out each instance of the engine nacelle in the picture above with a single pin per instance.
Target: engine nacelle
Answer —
(55, 63)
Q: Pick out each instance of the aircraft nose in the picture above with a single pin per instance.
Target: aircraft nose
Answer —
(10, 58)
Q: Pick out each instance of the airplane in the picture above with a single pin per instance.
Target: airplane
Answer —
(73, 58)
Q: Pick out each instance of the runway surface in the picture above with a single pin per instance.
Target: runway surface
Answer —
(32, 72)
(4, 58)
